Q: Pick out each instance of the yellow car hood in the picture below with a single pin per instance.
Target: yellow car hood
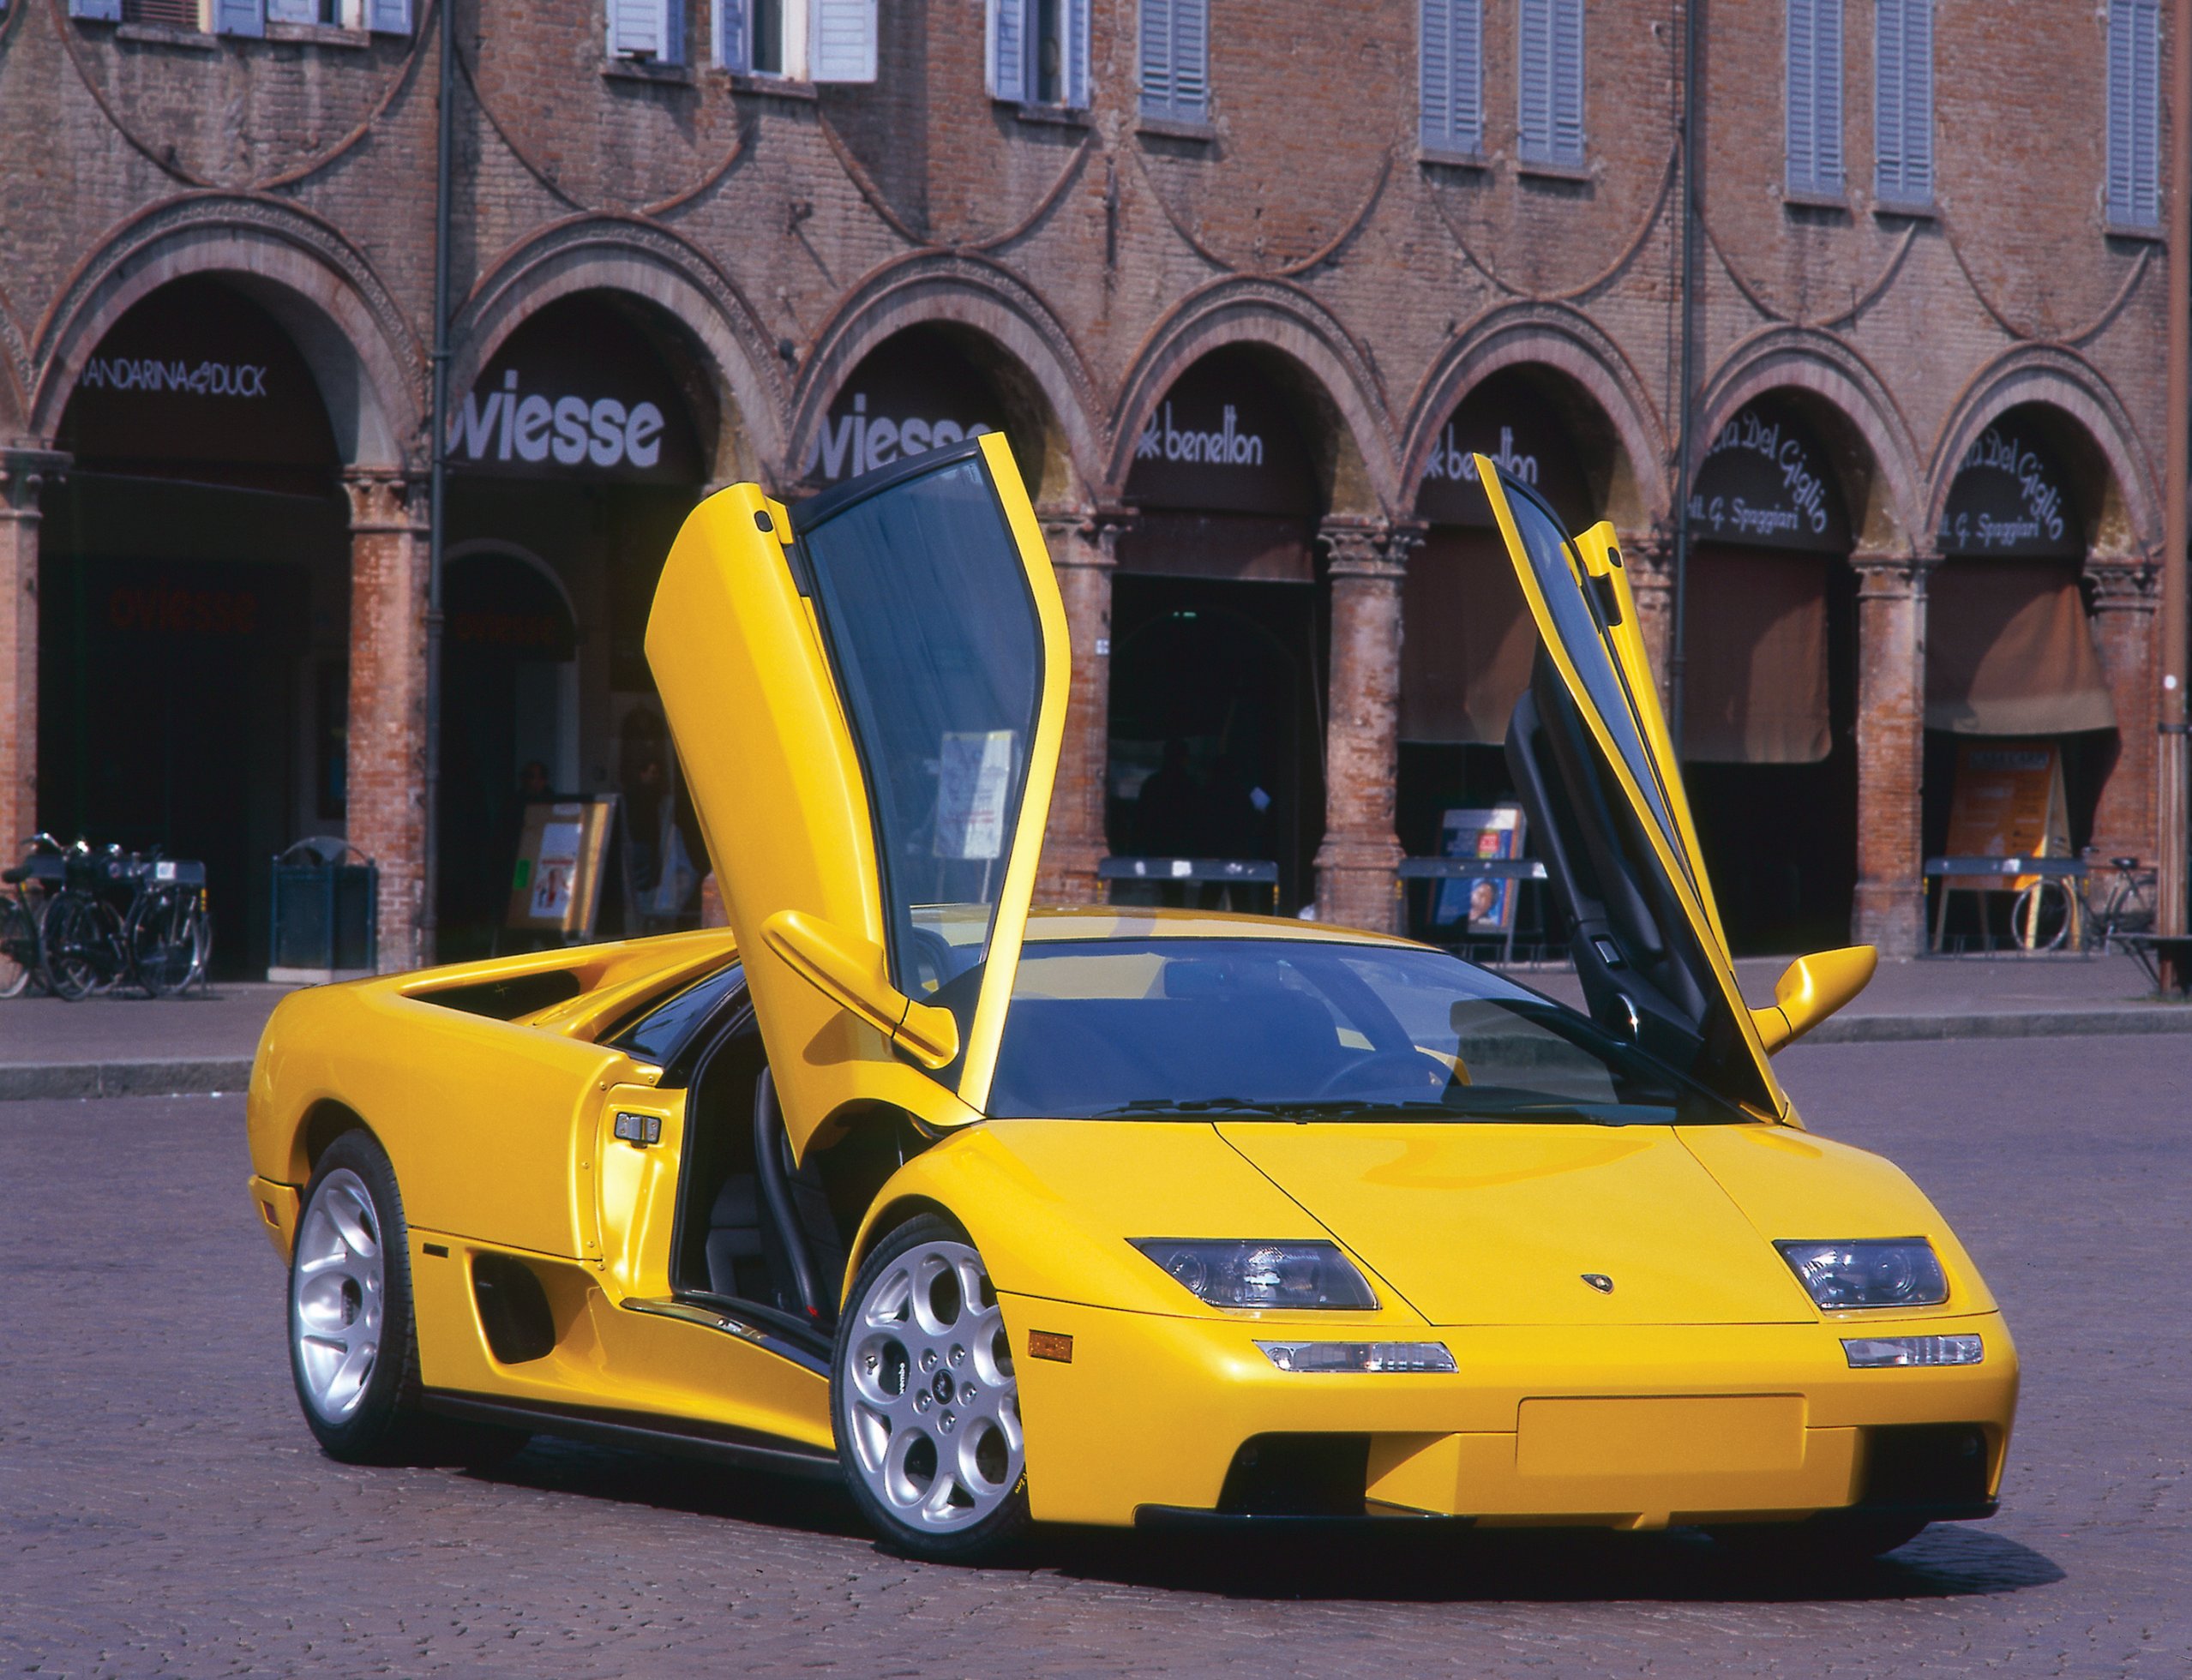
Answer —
(1484, 1224)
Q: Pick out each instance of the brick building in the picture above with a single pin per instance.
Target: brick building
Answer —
(1243, 285)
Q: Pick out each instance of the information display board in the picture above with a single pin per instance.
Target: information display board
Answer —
(1488, 905)
(2009, 801)
(556, 885)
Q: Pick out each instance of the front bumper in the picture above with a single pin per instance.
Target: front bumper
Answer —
(1630, 1426)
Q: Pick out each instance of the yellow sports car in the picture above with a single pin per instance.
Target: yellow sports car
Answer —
(1113, 1215)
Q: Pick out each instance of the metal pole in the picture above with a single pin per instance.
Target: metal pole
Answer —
(437, 445)
(1677, 656)
(2170, 918)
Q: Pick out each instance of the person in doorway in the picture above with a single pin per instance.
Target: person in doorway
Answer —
(1233, 829)
(533, 786)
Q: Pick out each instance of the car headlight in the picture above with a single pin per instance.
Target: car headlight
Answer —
(1899, 1273)
(1268, 1275)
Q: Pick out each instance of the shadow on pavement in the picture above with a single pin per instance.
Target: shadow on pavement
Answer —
(1533, 1566)
(679, 1485)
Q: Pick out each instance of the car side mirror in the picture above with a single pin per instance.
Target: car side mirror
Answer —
(1812, 988)
(851, 972)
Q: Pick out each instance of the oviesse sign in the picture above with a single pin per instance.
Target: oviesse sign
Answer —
(572, 430)
(853, 442)
(1763, 484)
(2008, 499)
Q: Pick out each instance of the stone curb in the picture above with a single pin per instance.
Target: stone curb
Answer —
(26, 1081)
(23, 1081)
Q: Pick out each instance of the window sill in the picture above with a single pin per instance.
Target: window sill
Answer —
(1544, 169)
(647, 70)
(1051, 116)
(1837, 202)
(1172, 127)
(1439, 158)
(319, 34)
(2149, 233)
(766, 86)
(1889, 209)
(163, 34)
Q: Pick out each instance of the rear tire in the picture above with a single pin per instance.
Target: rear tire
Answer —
(353, 1344)
(924, 1401)
(169, 940)
(19, 961)
(69, 941)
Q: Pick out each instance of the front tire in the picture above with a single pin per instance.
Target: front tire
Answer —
(924, 1400)
(353, 1345)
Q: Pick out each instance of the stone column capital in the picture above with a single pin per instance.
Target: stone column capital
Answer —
(2125, 582)
(24, 472)
(386, 499)
(1892, 574)
(1085, 535)
(1369, 548)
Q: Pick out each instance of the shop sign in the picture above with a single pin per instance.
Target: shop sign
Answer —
(577, 391)
(1505, 418)
(1221, 440)
(917, 392)
(1764, 484)
(2007, 499)
(854, 441)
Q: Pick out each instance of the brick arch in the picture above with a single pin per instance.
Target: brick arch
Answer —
(1884, 485)
(2124, 512)
(1565, 341)
(987, 300)
(318, 288)
(697, 299)
(1280, 317)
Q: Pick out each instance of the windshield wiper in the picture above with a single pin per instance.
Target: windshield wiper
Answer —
(1592, 1113)
(1204, 1105)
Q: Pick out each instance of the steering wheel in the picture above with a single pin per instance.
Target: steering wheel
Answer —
(1412, 1067)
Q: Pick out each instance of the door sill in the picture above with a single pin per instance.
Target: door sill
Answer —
(643, 1431)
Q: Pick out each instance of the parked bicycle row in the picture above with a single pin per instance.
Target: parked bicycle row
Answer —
(79, 919)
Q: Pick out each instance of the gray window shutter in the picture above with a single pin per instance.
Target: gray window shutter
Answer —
(1568, 82)
(388, 17)
(1008, 49)
(1815, 96)
(733, 48)
(637, 29)
(1451, 69)
(1902, 101)
(99, 11)
(292, 11)
(1533, 71)
(1190, 59)
(2134, 112)
(841, 41)
(1156, 57)
(1077, 54)
(239, 17)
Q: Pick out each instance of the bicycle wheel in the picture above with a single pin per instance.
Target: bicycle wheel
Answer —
(18, 948)
(167, 940)
(74, 942)
(2041, 915)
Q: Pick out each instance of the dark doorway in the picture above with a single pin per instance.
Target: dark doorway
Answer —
(1231, 671)
(509, 703)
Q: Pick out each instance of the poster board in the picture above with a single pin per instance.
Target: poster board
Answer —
(1488, 905)
(2009, 801)
(556, 886)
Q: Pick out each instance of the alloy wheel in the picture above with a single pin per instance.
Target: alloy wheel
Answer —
(338, 1295)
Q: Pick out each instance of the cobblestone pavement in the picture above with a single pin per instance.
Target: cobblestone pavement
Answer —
(162, 1510)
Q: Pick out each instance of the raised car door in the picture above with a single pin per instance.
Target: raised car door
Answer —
(867, 696)
(1595, 769)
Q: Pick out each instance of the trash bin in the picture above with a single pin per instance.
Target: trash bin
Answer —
(324, 895)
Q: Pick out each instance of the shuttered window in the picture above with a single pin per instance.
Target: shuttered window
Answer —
(1175, 59)
(1449, 66)
(652, 29)
(2134, 112)
(1815, 97)
(1902, 102)
(99, 11)
(841, 41)
(388, 17)
(239, 17)
(1551, 82)
(1037, 51)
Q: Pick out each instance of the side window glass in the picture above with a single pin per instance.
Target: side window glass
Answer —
(660, 1033)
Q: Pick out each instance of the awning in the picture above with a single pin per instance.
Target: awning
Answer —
(2007, 650)
(1466, 639)
(1755, 676)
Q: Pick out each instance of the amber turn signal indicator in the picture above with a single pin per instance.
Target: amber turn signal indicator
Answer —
(1050, 1345)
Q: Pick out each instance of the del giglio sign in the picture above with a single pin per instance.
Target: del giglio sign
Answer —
(578, 392)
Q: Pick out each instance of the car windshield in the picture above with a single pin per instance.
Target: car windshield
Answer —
(1301, 1028)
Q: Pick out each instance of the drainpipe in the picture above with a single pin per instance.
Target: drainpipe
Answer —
(1677, 656)
(437, 445)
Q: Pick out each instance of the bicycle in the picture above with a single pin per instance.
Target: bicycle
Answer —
(120, 917)
(2050, 911)
(22, 954)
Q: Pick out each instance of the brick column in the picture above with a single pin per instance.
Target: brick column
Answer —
(2127, 602)
(1889, 910)
(386, 750)
(1356, 883)
(1648, 558)
(23, 474)
(1083, 551)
